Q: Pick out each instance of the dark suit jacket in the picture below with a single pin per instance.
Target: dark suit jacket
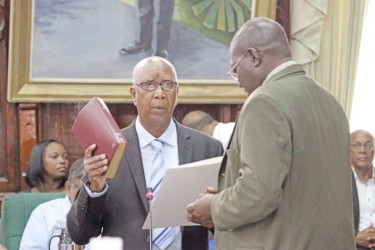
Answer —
(355, 208)
(123, 209)
(355, 205)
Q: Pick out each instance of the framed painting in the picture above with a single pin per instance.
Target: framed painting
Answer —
(70, 51)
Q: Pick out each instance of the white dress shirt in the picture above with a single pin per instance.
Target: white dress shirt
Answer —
(366, 198)
(170, 148)
(45, 221)
(222, 132)
(171, 159)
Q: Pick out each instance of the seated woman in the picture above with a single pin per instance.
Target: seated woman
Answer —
(48, 167)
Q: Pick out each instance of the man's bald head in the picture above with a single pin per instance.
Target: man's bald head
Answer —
(197, 119)
(259, 46)
(150, 67)
(264, 34)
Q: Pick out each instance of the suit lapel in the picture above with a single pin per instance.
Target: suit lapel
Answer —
(185, 146)
(134, 161)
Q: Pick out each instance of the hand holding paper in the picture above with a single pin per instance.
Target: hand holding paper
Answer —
(200, 211)
(180, 186)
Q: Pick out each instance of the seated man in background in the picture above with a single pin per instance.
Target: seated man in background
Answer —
(363, 183)
(49, 218)
(204, 122)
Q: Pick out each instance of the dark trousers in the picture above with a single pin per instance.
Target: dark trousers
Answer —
(164, 22)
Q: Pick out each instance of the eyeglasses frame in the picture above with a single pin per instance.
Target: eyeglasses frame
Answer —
(231, 71)
(160, 84)
(364, 145)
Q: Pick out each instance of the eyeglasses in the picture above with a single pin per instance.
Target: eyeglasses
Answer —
(166, 85)
(232, 72)
(366, 145)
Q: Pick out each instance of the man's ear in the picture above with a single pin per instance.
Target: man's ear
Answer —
(67, 187)
(254, 56)
(133, 93)
(177, 90)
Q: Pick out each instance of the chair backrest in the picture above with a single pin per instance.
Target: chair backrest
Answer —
(15, 212)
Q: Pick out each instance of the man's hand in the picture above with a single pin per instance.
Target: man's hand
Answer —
(95, 168)
(200, 210)
(366, 238)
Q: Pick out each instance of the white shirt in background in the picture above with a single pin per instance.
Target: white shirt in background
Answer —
(366, 198)
(222, 132)
(45, 221)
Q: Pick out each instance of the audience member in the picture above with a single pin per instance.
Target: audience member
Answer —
(284, 182)
(362, 156)
(48, 167)
(146, 10)
(49, 218)
(118, 207)
(204, 122)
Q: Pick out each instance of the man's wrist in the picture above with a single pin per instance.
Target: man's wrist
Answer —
(95, 189)
(93, 194)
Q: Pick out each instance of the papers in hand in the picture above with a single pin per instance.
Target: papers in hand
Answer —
(181, 185)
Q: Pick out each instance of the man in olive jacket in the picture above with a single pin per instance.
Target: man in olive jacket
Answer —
(285, 180)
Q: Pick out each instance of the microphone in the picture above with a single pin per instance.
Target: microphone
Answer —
(149, 193)
(149, 197)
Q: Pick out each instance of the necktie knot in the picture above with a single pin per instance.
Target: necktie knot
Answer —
(157, 145)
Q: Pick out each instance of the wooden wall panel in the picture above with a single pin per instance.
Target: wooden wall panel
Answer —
(8, 120)
(27, 137)
(55, 120)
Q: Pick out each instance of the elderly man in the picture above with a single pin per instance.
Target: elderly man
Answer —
(118, 207)
(49, 218)
(284, 181)
(362, 156)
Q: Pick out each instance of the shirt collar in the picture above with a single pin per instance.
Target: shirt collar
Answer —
(356, 176)
(279, 68)
(145, 138)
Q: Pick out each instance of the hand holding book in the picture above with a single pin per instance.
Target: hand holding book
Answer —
(95, 168)
(95, 125)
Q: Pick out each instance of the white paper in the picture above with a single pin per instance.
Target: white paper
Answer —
(181, 185)
(105, 243)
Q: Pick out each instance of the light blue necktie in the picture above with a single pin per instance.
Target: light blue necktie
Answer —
(161, 237)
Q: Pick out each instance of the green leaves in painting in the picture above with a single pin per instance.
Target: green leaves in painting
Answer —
(225, 15)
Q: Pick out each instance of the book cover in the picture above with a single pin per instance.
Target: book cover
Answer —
(95, 124)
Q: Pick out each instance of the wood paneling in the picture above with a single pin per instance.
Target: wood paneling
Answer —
(55, 120)
(27, 135)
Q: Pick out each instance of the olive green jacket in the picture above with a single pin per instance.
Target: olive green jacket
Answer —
(285, 179)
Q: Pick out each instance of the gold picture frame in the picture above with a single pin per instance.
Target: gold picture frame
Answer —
(22, 88)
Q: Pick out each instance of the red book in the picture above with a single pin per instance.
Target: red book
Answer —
(95, 124)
